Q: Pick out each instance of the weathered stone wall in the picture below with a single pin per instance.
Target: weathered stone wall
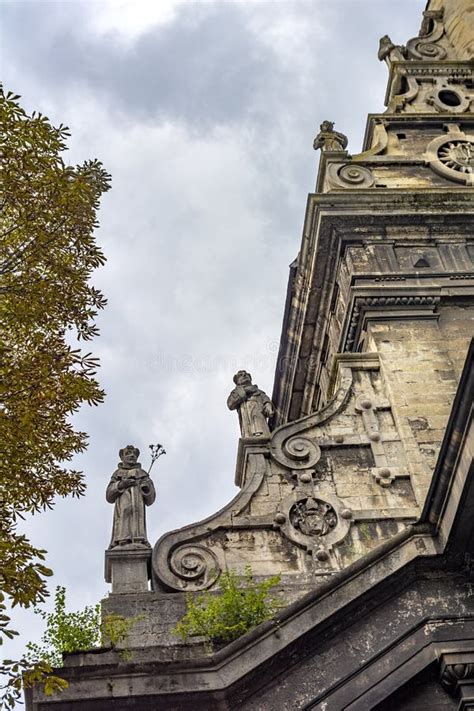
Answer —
(458, 23)
(318, 495)
(456, 325)
(422, 382)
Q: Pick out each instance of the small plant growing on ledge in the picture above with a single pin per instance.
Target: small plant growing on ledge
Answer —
(115, 629)
(241, 605)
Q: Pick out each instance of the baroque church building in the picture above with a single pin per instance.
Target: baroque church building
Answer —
(356, 476)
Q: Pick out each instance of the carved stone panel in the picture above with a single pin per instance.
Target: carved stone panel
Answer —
(452, 156)
(320, 493)
(314, 521)
(313, 517)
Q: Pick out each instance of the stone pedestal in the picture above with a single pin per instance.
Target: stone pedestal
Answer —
(128, 569)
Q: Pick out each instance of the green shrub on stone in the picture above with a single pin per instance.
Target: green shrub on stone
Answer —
(65, 631)
(241, 605)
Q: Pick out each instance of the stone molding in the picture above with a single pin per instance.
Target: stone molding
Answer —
(180, 561)
(419, 569)
(397, 303)
(457, 677)
(288, 496)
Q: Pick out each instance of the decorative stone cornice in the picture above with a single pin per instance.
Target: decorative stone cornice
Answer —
(362, 304)
(457, 677)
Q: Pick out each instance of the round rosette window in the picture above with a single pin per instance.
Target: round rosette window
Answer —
(452, 156)
(458, 156)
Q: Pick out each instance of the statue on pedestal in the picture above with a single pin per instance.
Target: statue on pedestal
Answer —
(328, 139)
(254, 406)
(130, 489)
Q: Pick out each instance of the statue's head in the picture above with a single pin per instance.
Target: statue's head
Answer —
(242, 378)
(327, 126)
(129, 454)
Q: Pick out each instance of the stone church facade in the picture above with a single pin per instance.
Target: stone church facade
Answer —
(356, 477)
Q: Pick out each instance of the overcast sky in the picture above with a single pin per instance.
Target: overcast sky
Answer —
(205, 114)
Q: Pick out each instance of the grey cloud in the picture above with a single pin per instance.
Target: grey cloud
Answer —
(203, 67)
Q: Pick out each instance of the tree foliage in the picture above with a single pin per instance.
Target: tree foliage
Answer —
(241, 605)
(64, 632)
(47, 255)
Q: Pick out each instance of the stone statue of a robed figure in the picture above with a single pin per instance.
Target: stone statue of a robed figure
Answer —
(130, 489)
(254, 406)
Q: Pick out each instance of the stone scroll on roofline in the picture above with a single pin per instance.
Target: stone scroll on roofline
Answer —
(253, 405)
(130, 489)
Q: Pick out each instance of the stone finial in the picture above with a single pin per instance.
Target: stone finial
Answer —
(328, 139)
(389, 51)
(253, 405)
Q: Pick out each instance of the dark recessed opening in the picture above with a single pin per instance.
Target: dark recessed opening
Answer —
(429, 27)
(325, 349)
(401, 136)
(450, 98)
(403, 86)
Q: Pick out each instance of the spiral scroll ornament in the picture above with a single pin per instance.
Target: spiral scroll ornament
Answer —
(195, 565)
(297, 453)
(428, 50)
(350, 175)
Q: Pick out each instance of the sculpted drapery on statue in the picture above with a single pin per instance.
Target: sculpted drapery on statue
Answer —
(130, 489)
(254, 406)
(328, 139)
